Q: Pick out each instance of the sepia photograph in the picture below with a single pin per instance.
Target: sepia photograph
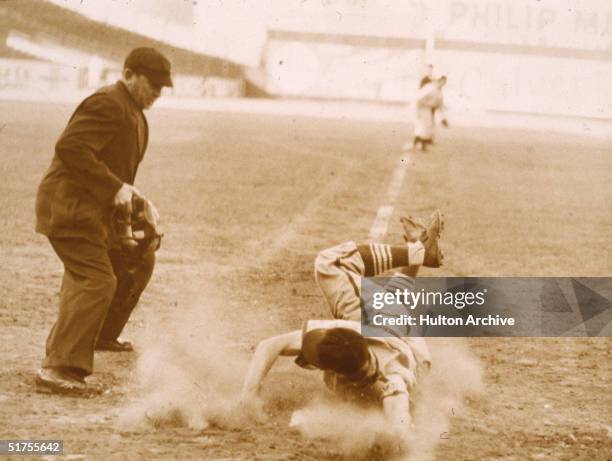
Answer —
(332, 230)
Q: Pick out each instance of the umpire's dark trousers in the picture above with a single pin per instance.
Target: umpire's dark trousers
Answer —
(99, 291)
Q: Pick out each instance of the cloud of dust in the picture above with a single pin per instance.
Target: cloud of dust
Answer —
(456, 373)
(189, 372)
(351, 429)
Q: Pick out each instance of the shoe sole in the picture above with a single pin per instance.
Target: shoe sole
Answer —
(437, 221)
(433, 233)
(123, 346)
(112, 350)
(45, 387)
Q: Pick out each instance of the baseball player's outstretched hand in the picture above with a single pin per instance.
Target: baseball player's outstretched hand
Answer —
(252, 407)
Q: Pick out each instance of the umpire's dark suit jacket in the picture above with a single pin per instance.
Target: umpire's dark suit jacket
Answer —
(99, 150)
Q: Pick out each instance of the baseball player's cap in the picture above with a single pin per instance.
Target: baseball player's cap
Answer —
(338, 349)
(151, 63)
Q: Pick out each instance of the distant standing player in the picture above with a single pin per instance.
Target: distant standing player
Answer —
(380, 371)
(428, 78)
(429, 100)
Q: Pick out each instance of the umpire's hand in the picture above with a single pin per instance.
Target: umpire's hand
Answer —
(154, 213)
(123, 198)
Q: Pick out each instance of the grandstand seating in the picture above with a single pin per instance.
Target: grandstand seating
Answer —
(45, 21)
(7, 52)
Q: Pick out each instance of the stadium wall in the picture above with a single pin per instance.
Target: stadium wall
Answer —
(548, 57)
(23, 74)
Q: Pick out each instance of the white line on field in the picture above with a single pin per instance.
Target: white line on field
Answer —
(381, 222)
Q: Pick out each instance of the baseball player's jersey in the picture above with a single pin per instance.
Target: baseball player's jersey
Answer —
(396, 366)
(430, 95)
(429, 98)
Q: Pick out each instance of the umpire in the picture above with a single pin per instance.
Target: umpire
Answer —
(90, 183)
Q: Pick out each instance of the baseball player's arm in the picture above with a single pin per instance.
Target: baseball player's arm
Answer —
(396, 409)
(420, 350)
(442, 111)
(266, 353)
(93, 125)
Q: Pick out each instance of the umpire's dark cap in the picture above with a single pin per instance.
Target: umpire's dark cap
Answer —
(151, 63)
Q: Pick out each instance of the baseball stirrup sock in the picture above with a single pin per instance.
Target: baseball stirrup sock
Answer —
(378, 257)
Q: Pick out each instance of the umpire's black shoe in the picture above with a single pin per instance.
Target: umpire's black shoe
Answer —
(56, 381)
(114, 345)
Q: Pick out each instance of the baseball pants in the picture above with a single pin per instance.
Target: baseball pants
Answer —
(338, 272)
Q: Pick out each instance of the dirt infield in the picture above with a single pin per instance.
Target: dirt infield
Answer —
(246, 203)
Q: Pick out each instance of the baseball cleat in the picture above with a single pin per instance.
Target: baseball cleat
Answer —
(429, 234)
(433, 253)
